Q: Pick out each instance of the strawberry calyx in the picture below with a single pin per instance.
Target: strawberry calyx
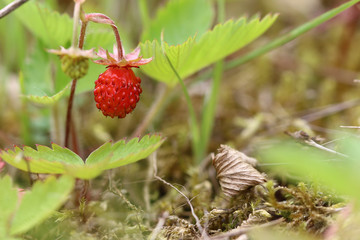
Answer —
(132, 59)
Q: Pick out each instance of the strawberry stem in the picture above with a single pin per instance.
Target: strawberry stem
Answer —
(69, 124)
(102, 18)
(76, 17)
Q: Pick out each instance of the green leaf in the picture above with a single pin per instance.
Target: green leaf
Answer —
(159, 68)
(38, 204)
(193, 55)
(341, 174)
(42, 160)
(47, 100)
(121, 153)
(52, 28)
(8, 203)
(37, 75)
(59, 160)
(180, 19)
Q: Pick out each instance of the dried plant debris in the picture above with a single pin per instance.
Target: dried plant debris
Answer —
(177, 228)
(235, 171)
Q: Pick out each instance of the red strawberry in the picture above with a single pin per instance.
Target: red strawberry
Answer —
(117, 91)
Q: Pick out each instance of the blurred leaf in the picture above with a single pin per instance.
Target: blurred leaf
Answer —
(59, 160)
(180, 19)
(8, 203)
(194, 55)
(341, 174)
(38, 204)
(47, 100)
(37, 76)
(13, 56)
(52, 28)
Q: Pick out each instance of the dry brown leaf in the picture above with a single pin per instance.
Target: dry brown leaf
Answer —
(235, 171)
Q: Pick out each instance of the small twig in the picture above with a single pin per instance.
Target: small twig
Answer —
(352, 127)
(11, 7)
(198, 225)
(314, 144)
(304, 137)
(242, 230)
(159, 225)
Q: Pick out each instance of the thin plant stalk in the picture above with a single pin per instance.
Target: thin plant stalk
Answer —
(210, 102)
(195, 130)
(102, 18)
(72, 92)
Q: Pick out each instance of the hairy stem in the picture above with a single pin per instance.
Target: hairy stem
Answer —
(72, 93)
(118, 42)
(69, 114)
(102, 18)
(76, 18)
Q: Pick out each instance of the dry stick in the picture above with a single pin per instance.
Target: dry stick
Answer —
(159, 225)
(312, 143)
(198, 225)
(11, 7)
(242, 230)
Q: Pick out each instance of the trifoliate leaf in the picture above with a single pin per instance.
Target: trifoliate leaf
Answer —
(197, 53)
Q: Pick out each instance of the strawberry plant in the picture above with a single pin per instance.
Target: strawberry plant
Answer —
(86, 108)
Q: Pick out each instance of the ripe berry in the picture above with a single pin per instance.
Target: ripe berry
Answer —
(117, 91)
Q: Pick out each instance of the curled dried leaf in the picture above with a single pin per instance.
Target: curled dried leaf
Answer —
(235, 171)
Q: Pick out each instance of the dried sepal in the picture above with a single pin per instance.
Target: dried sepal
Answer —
(133, 59)
(235, 171)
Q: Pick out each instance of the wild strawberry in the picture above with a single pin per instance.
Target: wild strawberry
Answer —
(118, 90)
